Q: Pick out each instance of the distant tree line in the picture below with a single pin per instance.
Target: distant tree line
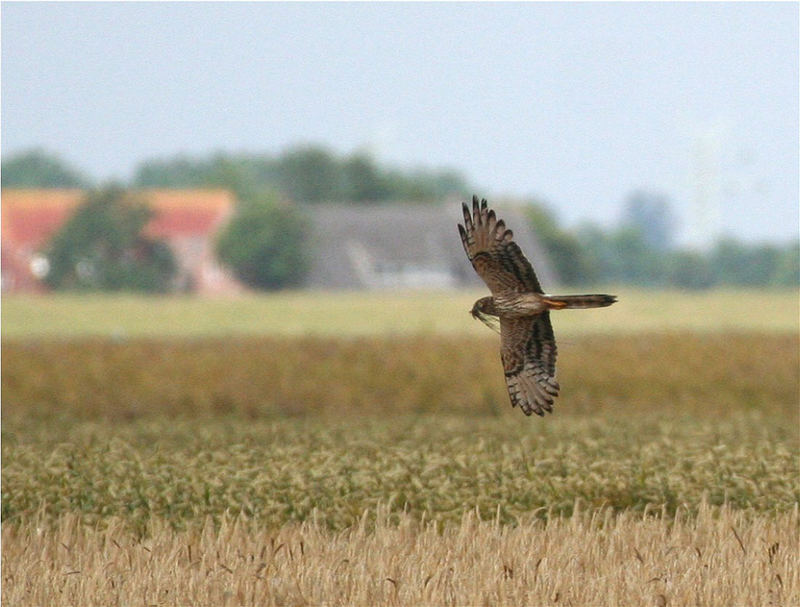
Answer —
(264, 242)
(39, 169)
(308, 174)
(640, 251)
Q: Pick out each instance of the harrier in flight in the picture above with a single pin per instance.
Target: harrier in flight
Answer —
(527, 344)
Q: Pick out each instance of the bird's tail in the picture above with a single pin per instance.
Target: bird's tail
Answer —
(560, 302)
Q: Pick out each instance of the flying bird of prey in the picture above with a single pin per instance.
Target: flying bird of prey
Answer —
(527, 344)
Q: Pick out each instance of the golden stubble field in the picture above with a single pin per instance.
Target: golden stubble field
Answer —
(719, 556)
(210, 468)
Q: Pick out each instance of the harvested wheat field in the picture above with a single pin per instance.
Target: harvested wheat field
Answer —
(718, 557)
(391, 470)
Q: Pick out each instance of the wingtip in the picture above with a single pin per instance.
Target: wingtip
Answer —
(467, 217)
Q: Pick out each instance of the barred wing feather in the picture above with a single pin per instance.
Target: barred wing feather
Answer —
(528, 352)
(493, 253)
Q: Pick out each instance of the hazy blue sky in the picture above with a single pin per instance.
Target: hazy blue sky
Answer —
(577, 104)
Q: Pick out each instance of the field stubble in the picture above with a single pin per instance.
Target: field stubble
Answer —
(719, 556)
(391, 470)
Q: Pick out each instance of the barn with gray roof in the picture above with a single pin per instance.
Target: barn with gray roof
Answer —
(402, 246)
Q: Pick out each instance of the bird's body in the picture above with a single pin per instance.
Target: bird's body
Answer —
(520, 308)
(518, 305)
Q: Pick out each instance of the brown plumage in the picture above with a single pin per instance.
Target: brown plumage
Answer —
(519, 306)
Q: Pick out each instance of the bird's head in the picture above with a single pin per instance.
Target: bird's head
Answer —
(483, 307)
(485, 311)
(476, 310)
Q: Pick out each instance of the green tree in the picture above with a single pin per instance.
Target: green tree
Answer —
(102, 247)
(302, 174)
(178, 172)
(689, 270)
(597, 251)
(39, 169)
(265, 244)
(564, 249)
(363, 180)
(787, 270)
(728, 258)
(636, 262)
(621, 255)
(237, 174)
(737, 263)
(310, 174)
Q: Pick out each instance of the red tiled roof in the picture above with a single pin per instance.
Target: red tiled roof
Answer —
(31, 217)
(187, 212)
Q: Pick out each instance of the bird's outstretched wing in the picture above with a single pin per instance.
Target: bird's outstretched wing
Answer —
(493, 253)
(528, 352)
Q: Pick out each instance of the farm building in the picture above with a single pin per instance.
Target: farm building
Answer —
(374, 246)
(185, 219)
(401, 246)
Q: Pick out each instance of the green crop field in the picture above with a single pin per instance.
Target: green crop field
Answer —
(339, 449)
(338, 314)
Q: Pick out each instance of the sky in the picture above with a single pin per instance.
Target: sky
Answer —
(574, 104)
